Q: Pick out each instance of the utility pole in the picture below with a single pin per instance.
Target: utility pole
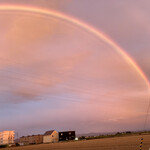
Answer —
(17, 135)
(141, 144)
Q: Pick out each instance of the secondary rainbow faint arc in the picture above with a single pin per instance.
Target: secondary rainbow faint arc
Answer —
(81, 24)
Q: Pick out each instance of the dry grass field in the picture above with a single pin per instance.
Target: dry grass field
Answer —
(117, 143)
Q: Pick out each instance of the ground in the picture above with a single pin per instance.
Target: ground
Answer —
(117, 143)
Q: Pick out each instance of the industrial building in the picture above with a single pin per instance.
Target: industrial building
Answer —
(7, 137)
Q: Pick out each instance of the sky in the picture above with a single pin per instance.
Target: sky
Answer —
(57, 75)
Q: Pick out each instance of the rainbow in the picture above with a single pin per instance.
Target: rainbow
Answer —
(77, 22)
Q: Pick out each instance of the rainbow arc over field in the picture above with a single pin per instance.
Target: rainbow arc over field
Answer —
(83, 25)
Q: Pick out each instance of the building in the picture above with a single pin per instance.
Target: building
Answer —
(67, 135)
(7, 137)
(24, 140)
(33, 139)
(50, 137)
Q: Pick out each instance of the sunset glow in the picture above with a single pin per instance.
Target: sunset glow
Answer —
(64, 67)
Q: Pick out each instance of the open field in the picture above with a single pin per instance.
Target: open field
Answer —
(117, 143)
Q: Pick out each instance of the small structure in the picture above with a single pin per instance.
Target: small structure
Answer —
(67, 135)
(7, 137)
(50, 137)
(33, 139)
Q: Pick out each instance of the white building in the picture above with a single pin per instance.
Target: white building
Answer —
(7, 137)
(50, 137)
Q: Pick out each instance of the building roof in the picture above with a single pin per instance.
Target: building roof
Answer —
(49, 132)
(66, 131)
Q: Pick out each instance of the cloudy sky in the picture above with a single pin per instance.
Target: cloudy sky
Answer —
(57, 75)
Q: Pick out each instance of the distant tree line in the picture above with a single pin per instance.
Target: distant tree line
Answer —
(118, 134)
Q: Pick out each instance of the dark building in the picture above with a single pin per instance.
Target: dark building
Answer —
(67, 135)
